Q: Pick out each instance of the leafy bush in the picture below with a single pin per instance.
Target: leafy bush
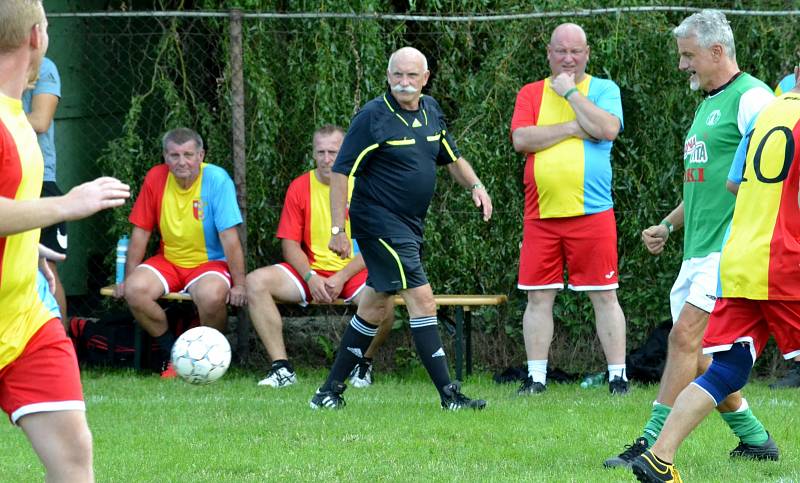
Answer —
(303, 72)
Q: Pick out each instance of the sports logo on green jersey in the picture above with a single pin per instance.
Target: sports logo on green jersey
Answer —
(713, 117)
(695, 151)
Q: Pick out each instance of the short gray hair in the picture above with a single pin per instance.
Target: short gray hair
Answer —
(327, 130)
(181, 135)
(408, 50)
(709, 27)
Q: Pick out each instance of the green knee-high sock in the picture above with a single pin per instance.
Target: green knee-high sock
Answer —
(746, 426)
(653, 427)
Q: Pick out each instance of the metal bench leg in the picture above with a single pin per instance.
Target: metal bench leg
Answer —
(459, 342)
(138, 346)
(468, 330)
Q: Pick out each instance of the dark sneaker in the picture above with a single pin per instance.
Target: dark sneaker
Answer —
(279, 375)
(649, 469)
(767, 451)
(618, 386)
(630, 452)
(361, 375)
(529, 387)
(791, 379)
(332, 399)
(453, 400)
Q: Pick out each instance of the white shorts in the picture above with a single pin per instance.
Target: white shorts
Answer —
(696, 284)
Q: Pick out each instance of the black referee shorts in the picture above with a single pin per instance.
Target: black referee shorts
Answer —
(393, 264)
(54, 237)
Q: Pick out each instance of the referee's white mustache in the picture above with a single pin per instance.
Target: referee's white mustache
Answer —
(404, 89)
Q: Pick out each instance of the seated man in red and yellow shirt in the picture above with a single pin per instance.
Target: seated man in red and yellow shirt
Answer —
(194, 207)
(310, 271)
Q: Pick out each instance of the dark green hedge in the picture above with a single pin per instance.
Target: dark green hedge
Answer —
(303, 73)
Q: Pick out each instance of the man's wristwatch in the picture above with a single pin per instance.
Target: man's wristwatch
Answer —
(335, 230)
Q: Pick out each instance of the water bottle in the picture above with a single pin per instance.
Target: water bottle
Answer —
(122, 257)
(593, 380)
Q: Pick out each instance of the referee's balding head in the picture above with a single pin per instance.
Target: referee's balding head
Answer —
(407, 73)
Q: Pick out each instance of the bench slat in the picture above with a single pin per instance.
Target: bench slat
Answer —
(462, 300)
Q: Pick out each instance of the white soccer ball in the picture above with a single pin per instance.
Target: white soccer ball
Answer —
(201, 355)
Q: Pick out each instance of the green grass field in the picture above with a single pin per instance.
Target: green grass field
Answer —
(146, 429)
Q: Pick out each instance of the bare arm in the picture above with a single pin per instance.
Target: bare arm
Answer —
(295, 256)
(655, 237)
(339, 244)
(597, 123)
(463, 174)
(532, 139)
(235, 257)
(43, 109)
(81, 201)
(136, 249)
(45, 255)
(335, 283)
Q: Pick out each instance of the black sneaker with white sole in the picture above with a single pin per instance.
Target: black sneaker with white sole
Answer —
(529, 387)
(331, 399)
(453, 399)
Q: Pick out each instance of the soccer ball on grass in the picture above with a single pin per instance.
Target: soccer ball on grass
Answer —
(201, 355)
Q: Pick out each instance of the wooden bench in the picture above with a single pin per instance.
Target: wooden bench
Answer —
(463, 304)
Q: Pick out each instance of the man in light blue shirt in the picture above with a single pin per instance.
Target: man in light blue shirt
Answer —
(40, 103)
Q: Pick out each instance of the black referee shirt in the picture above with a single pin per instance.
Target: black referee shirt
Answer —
(393, 154)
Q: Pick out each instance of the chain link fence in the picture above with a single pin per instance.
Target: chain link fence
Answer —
(256, 85)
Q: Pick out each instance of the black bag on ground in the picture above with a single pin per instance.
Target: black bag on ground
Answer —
(109, 341)
(646, 363)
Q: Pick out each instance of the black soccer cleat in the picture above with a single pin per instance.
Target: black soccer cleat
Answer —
(630, 452)
(649, 469)
(453, 399)
(529, 387)
(332, 399)
(767, 451)
(618, 386)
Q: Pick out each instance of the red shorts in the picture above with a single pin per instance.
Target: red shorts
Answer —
(587, 244)
(177, 279)
(44, 378)
(743, 320)
(352, 286)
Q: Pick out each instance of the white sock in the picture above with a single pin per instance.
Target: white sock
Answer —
(616, 370)
(744, 407)
(538, 370)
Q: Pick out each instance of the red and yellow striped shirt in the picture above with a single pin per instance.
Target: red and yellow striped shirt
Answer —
(22, 312)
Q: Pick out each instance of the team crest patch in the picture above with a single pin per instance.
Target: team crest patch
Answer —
(713, 118)
(198, 210)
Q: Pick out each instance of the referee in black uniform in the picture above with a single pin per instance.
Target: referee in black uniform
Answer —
(392, 148)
